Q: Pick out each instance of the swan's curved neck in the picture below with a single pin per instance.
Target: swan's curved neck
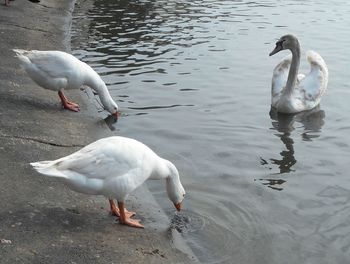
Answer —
(294, 68)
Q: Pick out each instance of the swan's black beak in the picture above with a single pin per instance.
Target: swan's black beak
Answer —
(277, 49)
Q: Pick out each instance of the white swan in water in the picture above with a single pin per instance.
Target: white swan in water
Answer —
(292, 92)
(57, 70)
(114, 167)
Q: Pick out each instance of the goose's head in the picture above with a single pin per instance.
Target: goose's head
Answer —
(286, 42)
(107, 101)
(112, 107)
(175, 190)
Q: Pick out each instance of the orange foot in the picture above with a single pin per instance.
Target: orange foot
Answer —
(68, 104)
(124, 220)
(115, 210)
(131, 222)
(71, 106)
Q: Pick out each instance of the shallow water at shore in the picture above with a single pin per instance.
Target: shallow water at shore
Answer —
(192, 79)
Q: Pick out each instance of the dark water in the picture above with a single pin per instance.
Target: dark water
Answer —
(192, 79)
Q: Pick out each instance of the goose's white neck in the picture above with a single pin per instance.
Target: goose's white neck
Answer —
(162, 170)
(294, 69)
(166, 170)
(93, 80)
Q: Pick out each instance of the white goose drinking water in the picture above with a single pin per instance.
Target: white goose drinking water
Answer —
(114, 167)
(292, 92)
(57, 70)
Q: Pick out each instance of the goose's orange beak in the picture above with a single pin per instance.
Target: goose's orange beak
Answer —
(178, 206)
(117, 114)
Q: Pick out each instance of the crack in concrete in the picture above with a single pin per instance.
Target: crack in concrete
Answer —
(43, 141)
(44, 5)
(27, 28)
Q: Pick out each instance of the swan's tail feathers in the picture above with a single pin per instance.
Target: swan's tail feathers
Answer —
(48, 168)
(318, 65)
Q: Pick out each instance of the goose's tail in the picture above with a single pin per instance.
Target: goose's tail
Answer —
(22, 55)
(48, 168)
(20, 51)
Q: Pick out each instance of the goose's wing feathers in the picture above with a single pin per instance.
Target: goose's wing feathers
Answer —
(95, 161)
(279, 78)
(314, 85)
(90, 163)
(55, 64)
(98, 163)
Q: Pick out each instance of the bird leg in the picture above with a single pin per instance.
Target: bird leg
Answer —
(7, 2)
(67, 104)
(115, 210)
(124, 220)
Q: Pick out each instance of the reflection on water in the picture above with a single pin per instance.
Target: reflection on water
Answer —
(311, 122)
(273, 183)
(192, 81)
(111, 120)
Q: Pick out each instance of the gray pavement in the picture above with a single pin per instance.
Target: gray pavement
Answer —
(41, 220)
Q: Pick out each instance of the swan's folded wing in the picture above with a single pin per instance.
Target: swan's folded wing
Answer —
(314, 85)
(279, 78)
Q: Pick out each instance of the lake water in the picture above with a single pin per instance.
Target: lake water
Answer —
(192, 79)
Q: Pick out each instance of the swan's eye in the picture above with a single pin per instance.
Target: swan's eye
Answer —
(279, 43)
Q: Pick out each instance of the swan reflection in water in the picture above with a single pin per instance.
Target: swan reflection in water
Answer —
(311, 121)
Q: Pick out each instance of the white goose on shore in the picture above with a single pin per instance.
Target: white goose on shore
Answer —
(292, 92)
(114, 167)
(57, 70)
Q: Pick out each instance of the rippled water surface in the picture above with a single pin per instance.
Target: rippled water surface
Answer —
(192, 79)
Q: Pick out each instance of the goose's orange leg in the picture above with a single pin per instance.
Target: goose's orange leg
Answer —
(115, 210)
(125, 220)
(67, 104)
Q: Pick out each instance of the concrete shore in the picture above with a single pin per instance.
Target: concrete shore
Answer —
(42, 221)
